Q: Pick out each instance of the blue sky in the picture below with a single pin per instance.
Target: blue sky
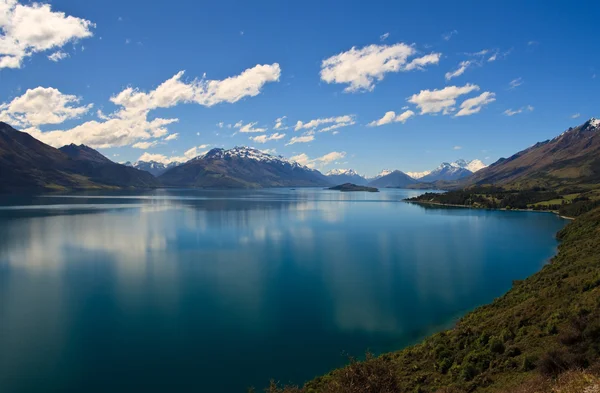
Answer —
(295, 59)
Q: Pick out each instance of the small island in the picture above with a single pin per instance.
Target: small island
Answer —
(353, 187)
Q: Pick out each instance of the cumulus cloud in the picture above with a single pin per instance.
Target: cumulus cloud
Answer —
(171, 137)
(444, 100)
(361, 68)
(304, 159)
(130, 124)
(42, 105)
(58, 56)
(473, 105)
(163, 159)
(305, 138)
(575, 115)
(391, 117)
(462, 67)
(510, 112)
(250, 127)
(265, 138)
(280, 123)
(144, 145)
(26, 29)
(331, 123)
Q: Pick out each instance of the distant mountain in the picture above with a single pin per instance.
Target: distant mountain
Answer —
(102, 170)
(395, 179)
(453, 171)
(27, 165)
(153, 167)
(85, 153)
(241, 167)
(381, 174)
(572, 158)
(342, 176)
(418, 175)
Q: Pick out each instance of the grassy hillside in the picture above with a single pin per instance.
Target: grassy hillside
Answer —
(543, 327)
(570, 202)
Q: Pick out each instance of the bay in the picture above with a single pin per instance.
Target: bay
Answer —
(216, 291)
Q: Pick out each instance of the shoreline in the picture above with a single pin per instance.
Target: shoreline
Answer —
(489, 208)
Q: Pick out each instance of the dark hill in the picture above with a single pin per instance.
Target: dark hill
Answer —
(28, 165)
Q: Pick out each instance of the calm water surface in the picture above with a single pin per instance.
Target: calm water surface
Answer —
(215, 291)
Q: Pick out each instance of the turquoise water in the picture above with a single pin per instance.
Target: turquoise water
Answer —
(216, 291)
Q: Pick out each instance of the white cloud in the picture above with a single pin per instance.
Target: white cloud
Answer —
(575, 115)
(435, 101)
(280, 123)
(384, 37)
(144, 145)
(420, 62)
(188, 155)
(171, 137)
(331, 122)
(130, 123)
(265, 138)
(457, 147)
(305, 138)
(462, 67)
(26, 29)
(473, 105)
(510, 112)
(447, 36)
(269, 151)
(515, 83)
(304, 159)
(249, 127)
(391, 117)
(361, 68)
(220, 124)
(42, 105)
(58, 56)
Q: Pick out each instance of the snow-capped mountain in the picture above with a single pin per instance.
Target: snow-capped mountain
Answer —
(383, 173)
(242, 167)
(341, 176)
(475, 165)
(453, 170)
(418, 175)
(394, 179)
(153, 167)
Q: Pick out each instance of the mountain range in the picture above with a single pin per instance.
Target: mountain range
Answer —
(341, 176)
(572, 158)
(242, 167)
(26, 164)
(154, 168)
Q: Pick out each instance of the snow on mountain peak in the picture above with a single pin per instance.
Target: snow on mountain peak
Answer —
(418, 175)
(594, 122)
(249, 153)
(337, 172)
(383, 173)
(475, 165)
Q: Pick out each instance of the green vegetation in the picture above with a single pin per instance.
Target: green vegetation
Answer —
(524, 341)
(570, 202)
(346, 187)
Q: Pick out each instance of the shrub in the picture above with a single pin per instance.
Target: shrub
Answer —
(496, 346)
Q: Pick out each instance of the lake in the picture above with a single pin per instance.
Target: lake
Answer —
(216, 291)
